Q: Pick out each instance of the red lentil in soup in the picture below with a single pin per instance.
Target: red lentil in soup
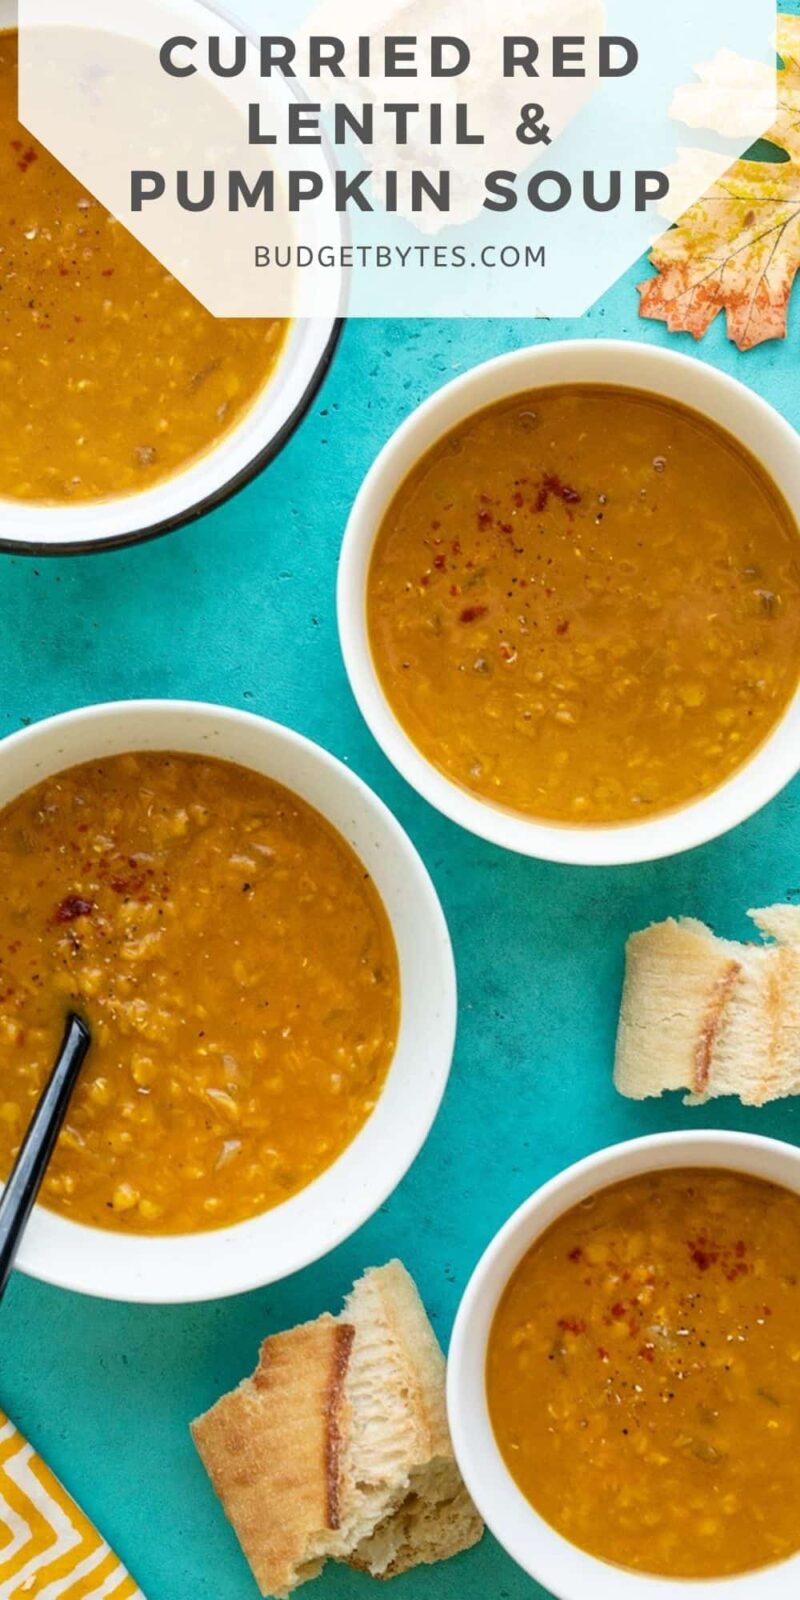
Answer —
(584, 605)
(239, 973)
(112, 376)
(643, 1374)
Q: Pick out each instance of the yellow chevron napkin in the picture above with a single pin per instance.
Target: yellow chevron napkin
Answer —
(48, 1548)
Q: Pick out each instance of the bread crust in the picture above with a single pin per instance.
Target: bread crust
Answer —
(275, 1443)
(711, 1024)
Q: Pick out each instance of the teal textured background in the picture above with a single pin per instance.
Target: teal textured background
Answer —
(240, 609)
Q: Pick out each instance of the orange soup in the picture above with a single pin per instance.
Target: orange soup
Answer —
(112, 376)
(584, 605)
(238, 971)
(643, 1374)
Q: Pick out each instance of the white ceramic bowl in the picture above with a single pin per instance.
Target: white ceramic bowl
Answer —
(637, 366)
(205, 1266)
(204, 484)
(208, 482)
(563, 1569)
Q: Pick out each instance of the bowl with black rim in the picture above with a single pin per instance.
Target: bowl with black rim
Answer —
(206, 481)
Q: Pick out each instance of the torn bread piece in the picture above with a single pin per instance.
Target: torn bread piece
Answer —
(338, 1446)
(271, 1450)
(709, 1015)
(399, 1449)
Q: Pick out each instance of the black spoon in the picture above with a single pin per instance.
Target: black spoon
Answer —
(30, 1166)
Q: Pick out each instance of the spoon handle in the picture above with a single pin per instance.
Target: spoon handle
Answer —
(19, 1195)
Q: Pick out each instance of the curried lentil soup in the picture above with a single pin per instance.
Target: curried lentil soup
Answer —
(584, 605)
(239, 973)
(112, 376)
(643, 1374)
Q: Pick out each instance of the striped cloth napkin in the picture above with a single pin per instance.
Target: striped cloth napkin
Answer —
(48, 1548)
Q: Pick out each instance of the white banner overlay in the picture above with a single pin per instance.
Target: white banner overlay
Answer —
(390, 159)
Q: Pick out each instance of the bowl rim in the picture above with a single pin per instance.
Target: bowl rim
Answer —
(742, 794)
(180, 1269)
(24, 545)
(562, 1567)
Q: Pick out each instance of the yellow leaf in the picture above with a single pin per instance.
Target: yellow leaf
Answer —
(737, 248)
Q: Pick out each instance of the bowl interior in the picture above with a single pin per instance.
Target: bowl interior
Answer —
(565, 1570)
(203, 483)
(270, 1246)
(667, 374)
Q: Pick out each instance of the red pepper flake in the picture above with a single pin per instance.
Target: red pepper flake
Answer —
(456, 547)
(436, 526)
(472, 613)
(551, 484)
(484, 518)
(425, 580)
(603, 1354)
(71, 907)
(572, 1325)
(618, 1311)
(576, 1254)
(570, 496)
(135, 888)
(517, 499)
(438, 562)
(702, 1258)
(455, 590)
(562, 627)
(648, 1352)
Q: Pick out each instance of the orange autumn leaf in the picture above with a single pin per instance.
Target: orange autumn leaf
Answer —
(737, 248)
